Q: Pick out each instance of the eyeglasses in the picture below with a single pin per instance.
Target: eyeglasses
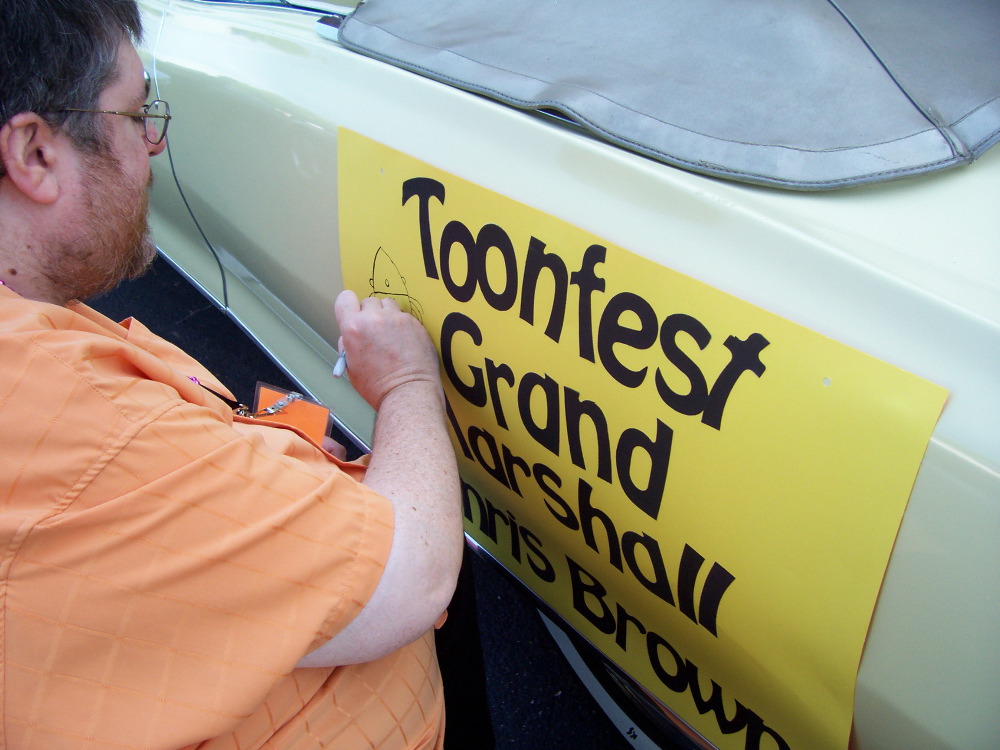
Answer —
(155, 117)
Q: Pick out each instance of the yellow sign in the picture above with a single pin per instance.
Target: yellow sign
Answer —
(709, 493)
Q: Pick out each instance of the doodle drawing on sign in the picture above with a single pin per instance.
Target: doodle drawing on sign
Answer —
(387, 281)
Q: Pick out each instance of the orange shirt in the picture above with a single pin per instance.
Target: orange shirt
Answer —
(164, 567)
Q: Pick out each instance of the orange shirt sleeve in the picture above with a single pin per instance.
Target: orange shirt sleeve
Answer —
(163, 567)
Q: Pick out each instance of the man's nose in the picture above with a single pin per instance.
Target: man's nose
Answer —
(156, 148)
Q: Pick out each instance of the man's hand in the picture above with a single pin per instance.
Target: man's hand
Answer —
(386, 347)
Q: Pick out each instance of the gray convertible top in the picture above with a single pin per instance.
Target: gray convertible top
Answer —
(804, 94)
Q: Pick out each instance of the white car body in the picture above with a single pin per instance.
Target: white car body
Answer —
(908, 272)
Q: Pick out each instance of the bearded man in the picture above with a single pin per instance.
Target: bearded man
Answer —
(174, 575)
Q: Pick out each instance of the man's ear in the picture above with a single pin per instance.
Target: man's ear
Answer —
(30, 153)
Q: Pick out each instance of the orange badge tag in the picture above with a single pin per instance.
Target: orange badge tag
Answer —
(308, 416)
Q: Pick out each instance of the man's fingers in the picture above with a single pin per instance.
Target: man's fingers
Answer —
(346, 303)
(379, 303)
(386, 347)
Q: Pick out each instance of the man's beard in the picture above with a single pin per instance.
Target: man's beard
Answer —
(112, 242)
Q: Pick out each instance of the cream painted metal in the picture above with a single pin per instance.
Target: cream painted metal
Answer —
(908, 272)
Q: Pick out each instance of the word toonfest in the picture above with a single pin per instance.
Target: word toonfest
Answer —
(566, 414)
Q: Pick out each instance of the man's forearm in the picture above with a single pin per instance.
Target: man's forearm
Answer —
(413, 465)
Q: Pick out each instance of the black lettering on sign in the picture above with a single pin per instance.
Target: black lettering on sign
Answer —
(536, 261)
(504, 530)
(425, 188)
(637, 553)
(612, 331)
(628, 326)
(543, 407)
(642, 554)
(746, 358)
(588, 282)
(679, 675)
(719, 579)
(693, 402)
